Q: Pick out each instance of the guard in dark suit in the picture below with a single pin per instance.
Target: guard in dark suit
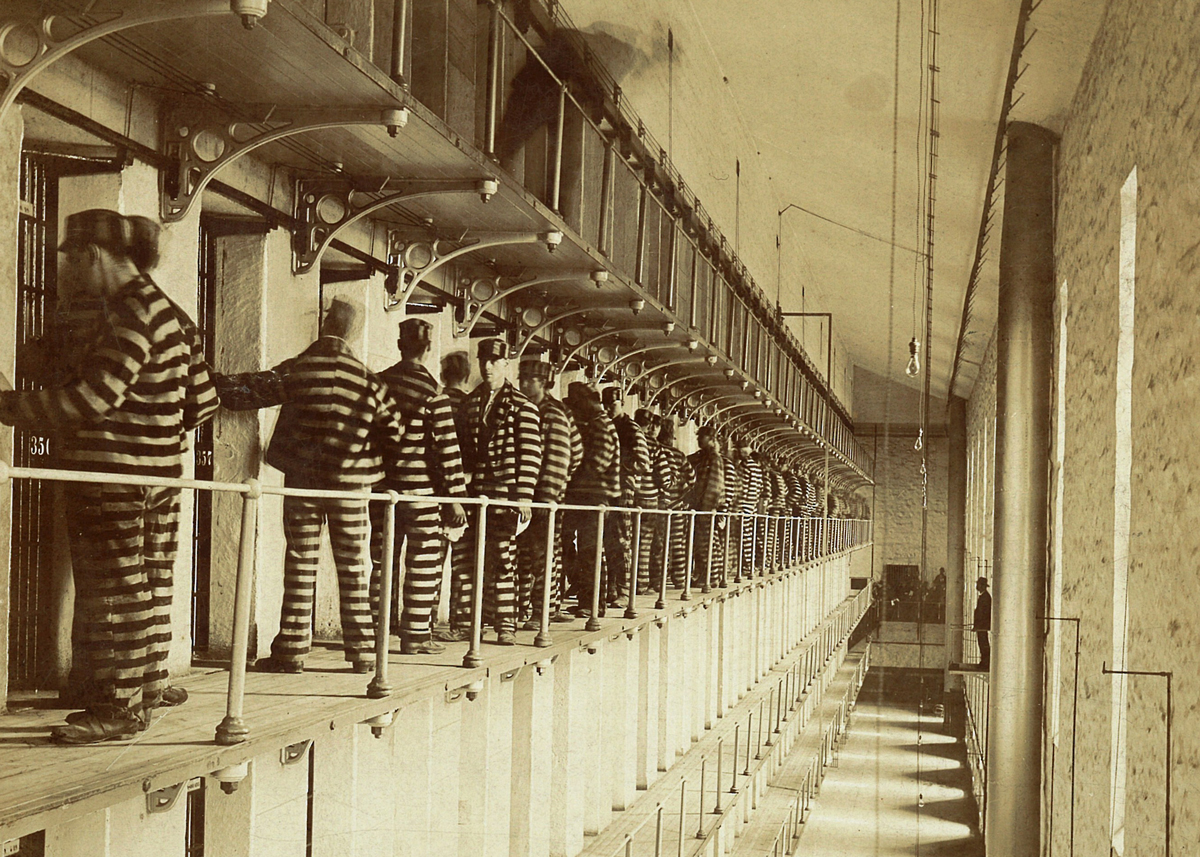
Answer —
(983, 623)
(428, 463)
(505, 451)
(562, 452)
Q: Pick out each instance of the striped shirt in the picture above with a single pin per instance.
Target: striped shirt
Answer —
(732, 500)
(338, 419)
(598, 478)
(557, 461)
(136, 392)
(506, 443)
(795, 493)
(428, 460)
(576, 439)
(637, 478)
(751, 488)
(678, 479)
(708, 491)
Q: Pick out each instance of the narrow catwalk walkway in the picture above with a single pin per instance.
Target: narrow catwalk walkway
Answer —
(900, 786)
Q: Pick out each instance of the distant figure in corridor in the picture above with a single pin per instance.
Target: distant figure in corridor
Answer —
(983, 623)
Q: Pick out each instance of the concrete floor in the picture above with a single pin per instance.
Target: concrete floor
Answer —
(900, 786)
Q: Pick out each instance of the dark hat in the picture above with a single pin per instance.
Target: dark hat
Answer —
(645, 417)
(982, 580)
(100, 226)
(492, 349)
(610, 395)
(415, 333)
(707, 431)
(535, 366)
(577, 391)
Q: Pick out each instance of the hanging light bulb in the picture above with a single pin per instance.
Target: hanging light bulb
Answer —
(920, 440)
(914, 358)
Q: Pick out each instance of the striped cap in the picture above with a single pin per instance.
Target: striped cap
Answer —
(102, 227)
(535, 366)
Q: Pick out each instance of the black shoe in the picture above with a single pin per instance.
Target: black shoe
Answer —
(421, 647)
(362, 667)
(274, 665)
(84, 727)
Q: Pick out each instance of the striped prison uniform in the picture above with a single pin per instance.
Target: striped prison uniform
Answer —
(636, 482)
(654, 527)
(337, 423)
(795, 492)
(679, 480)
(777, 508)
(812, 511)
(595, 483)
(708, 495)
(137, 390)
(747, 532)
(505, 448)
(562, 452)
(728, 541)
(428, 462)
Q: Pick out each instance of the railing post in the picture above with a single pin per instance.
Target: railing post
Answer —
(472, 658)
(556, 170)
(492, 110)
(639, 262)
(630, 607)
(661, 603)
(593, 622)
(749, 731)
(658, 830)
(603, 240)
(720, 759)
(700, 823)
(728, 541)
(379, 686)
(399, 41)
(706, 587)
(682, 813)
(688, 569)
(542, 640)
(741, 548)
(737, 732)
(233, 729)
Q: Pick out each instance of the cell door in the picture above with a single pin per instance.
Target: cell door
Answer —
(31, 583)
(206, 294)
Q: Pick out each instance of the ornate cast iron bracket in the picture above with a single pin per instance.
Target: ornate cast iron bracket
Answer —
(31, 43)
(550, 321)
(324, 207)
(203, 139)
(416, 260)
(479, 302)
(578, 349)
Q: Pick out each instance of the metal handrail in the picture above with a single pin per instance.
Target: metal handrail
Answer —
(801, 549)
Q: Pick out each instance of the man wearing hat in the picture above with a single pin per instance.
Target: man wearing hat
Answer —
(428, 462)
(983, 623)
(637, 486)
(748, 531)
(562, 453)
(679, 480)
(595, 483)
(506, 457)
(652, 543)
(337, 425)
(124, 404)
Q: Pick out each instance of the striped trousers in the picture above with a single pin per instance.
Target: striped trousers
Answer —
(123, 543)
(708, 551)
(499, 572)
(531, 566)
(677, 561)
(303, 518)
(421, 548)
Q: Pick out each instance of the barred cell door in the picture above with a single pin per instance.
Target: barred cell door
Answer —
(31, 582)
(206, 294)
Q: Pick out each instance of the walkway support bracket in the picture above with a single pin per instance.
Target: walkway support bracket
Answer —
(326, 206)
(31, 42)
(202, 139)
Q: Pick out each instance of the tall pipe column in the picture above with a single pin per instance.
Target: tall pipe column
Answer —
(956, 534)
(1023, 373)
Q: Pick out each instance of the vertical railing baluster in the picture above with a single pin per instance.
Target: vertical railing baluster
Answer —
(634, 565)
(542, 640)
(556, 171)
(688, 570)
(593, 622)
(492, 110)
(471, 658)
(661, 603)
(233, 729)
(380, 686)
